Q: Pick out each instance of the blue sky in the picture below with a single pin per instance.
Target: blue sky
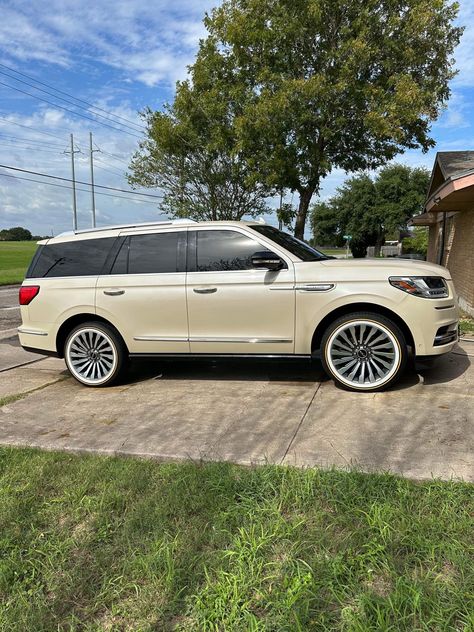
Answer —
(122, 56)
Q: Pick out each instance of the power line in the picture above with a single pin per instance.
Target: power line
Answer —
(90, 105)
(89, 118)
(38, 131)
(16, 147)
(65, 186)
(125, 162)
(30, 140)
(114, 173)
(101, 186)
(55, 96)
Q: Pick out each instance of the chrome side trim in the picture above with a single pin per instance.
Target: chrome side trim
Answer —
(161, 339)
(315, 287)
(33, 332)
(205, 339)
(242, 340)
(307, 287)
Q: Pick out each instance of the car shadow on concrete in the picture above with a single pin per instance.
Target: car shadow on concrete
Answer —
(443, 370)
(446, 368)
(245, 370)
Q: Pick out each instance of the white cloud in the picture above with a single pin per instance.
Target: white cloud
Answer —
(150, 42)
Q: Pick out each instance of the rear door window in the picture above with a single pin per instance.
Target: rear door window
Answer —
(155, 253)
(84, 257)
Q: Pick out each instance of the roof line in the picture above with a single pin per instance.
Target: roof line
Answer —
(458, 176)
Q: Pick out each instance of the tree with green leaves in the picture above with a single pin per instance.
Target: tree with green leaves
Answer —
(325, 225)
(190, 153)
(319, 84)
(418, 242)
(17, 233)
(369, 209)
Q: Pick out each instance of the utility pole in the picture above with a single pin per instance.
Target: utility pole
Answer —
(91, 153)
(73, 151)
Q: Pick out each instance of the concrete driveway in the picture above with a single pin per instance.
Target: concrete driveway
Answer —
(251, 413)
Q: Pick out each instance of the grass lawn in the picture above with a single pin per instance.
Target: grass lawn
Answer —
(467, 324)
(15, 257)
(91, 543)
(335, 251)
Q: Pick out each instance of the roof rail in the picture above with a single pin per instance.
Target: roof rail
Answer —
(168, 222)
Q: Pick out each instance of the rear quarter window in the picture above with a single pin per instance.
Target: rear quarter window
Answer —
(85, 257)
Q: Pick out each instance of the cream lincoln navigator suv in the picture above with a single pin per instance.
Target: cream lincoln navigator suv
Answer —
(219, 289)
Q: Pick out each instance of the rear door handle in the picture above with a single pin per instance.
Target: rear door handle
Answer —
(114, 292)
(205, 290)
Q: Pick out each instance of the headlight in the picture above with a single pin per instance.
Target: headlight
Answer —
(426, 287)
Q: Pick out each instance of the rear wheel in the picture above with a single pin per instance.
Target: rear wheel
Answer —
(95, 354)
(364, 351)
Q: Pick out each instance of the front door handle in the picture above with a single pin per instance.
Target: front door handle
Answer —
(205, 290)
(114, 292)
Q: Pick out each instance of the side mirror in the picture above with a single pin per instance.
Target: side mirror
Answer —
(267, 260)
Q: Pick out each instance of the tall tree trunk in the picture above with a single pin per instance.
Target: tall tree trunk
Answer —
(379, 243)
(305, 200)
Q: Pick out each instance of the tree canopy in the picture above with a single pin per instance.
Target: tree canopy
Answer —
(283, 91)
(17, 233)
(370, 208)
(190, 152)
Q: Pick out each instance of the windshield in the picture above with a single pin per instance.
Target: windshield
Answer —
(297, 247)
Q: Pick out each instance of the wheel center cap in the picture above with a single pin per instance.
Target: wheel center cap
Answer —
(362, 354)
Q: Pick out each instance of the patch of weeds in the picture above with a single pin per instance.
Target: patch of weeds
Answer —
(10, 399)
(95, 543)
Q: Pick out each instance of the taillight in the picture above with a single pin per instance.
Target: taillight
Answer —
(28, 293)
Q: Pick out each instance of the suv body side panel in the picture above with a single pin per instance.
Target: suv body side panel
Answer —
(59, 298)
(242, 311)
(150, 314)
(423, 317)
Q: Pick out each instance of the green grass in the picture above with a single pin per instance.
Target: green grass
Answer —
(334, 251)
(91, 543)
(467, 324)
(15, 257)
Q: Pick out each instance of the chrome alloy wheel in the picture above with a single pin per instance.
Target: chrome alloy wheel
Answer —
(91, 356)
(363, 354)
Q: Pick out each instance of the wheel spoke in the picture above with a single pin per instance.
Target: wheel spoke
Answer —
(343, 346)
(348, 366)
(353, 334)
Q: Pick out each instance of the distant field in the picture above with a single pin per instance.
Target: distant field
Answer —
(15, 257)
(334, 252)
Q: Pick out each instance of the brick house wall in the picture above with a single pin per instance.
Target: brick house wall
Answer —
(459, 257)
(458, 254)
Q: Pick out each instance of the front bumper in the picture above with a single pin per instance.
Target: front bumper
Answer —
(434, 324)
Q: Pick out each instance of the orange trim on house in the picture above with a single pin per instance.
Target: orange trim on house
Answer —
(447, 189)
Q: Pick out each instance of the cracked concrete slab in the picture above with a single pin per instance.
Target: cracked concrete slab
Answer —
(247, 414)
(422, 428)
(252, 413)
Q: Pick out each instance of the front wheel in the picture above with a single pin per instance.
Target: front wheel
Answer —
(95, 354)
(364, 351)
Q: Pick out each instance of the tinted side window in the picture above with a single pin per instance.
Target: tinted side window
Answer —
(121, 260)
(84, 257)
(153, 253)
(224, 250)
